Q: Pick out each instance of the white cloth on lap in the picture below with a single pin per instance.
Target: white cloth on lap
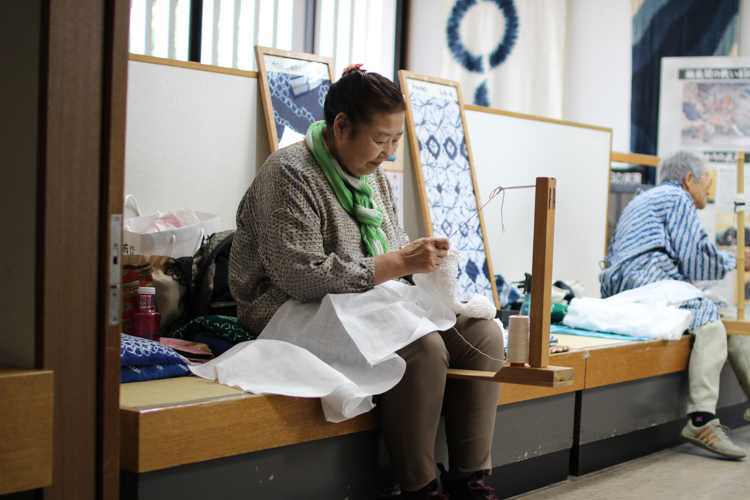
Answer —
(648, 311)
(341, 350)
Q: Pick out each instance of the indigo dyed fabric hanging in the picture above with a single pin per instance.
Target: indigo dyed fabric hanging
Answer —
(672, 28)
(506, 54)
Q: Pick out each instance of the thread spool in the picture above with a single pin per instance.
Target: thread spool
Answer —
(518, 340)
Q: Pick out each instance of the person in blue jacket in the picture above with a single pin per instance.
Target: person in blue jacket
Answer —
(659, 237)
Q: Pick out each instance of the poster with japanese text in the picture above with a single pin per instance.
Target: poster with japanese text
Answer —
(704, 107)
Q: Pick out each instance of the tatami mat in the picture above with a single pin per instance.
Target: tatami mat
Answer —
(173, 391)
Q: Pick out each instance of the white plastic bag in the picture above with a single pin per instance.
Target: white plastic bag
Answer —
(176, 242)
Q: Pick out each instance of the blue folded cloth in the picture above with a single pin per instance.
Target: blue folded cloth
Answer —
(142, 359)
(507, 292)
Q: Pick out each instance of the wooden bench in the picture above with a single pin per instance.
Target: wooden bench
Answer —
(171, 422)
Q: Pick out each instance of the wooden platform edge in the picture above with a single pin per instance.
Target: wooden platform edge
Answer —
(736, 326)
(636, 361)
(160, 438)
(550, 376)
(155, 438)
(635, 158)
(26, 425)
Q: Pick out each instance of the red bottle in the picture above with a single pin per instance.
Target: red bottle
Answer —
(147, 322)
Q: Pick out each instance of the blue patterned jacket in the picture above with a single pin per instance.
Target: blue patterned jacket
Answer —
(659, 237)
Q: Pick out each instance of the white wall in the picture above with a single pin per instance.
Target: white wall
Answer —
(578, 157)
(424, 37)
(598, 66)
(194, 139)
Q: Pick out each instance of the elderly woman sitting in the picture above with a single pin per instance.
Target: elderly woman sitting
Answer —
(659, 237)
(319, 221)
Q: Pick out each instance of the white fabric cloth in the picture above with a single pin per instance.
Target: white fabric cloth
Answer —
(341, 350)
(648, 311)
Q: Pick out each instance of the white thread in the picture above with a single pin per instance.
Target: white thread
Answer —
(480, 352)
(518, 339)
(494, 193)
(445, 281)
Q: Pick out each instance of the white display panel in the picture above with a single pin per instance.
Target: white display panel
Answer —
(194, 139)
(512, 150)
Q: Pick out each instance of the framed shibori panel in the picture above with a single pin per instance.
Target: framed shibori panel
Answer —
(293, 88)
(445, 175)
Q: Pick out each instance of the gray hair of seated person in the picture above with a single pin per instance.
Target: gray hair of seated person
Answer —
(675, 166)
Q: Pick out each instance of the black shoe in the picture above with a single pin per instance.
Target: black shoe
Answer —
(468, 488)
(429, 492)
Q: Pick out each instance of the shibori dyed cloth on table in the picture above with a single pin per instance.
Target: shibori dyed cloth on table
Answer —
(143, 359)
(341, 350)
(659, 238)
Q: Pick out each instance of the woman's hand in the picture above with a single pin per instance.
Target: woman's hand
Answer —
(747, 259)
(424, 255)
(420, 256)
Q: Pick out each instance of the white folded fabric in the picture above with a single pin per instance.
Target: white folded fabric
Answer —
(648, 311)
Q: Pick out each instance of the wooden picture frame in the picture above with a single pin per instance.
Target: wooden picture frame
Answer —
(293, 86)
(440, 217)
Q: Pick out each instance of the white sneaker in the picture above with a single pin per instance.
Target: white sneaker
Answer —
(712, 437)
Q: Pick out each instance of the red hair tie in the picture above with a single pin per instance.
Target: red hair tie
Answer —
(353, 67)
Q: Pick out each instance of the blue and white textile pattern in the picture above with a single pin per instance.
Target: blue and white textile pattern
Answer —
(507, 292)
(658, 238)
(142, 359)
(292, 112)
(450, 188)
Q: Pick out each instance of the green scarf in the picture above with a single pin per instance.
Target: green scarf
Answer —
(354, 193)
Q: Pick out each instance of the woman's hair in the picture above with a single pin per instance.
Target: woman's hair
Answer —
(360, 95)
(676, 165)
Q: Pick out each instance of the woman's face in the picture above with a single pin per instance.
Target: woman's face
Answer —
(362, 153)
(698, 188)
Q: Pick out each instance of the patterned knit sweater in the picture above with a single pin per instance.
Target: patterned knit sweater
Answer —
(295, 240)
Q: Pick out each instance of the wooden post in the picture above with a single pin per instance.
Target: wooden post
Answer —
(539, 373)
(541, 271)
(740, 275)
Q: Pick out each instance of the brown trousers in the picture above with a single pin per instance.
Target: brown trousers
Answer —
(410, 412)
